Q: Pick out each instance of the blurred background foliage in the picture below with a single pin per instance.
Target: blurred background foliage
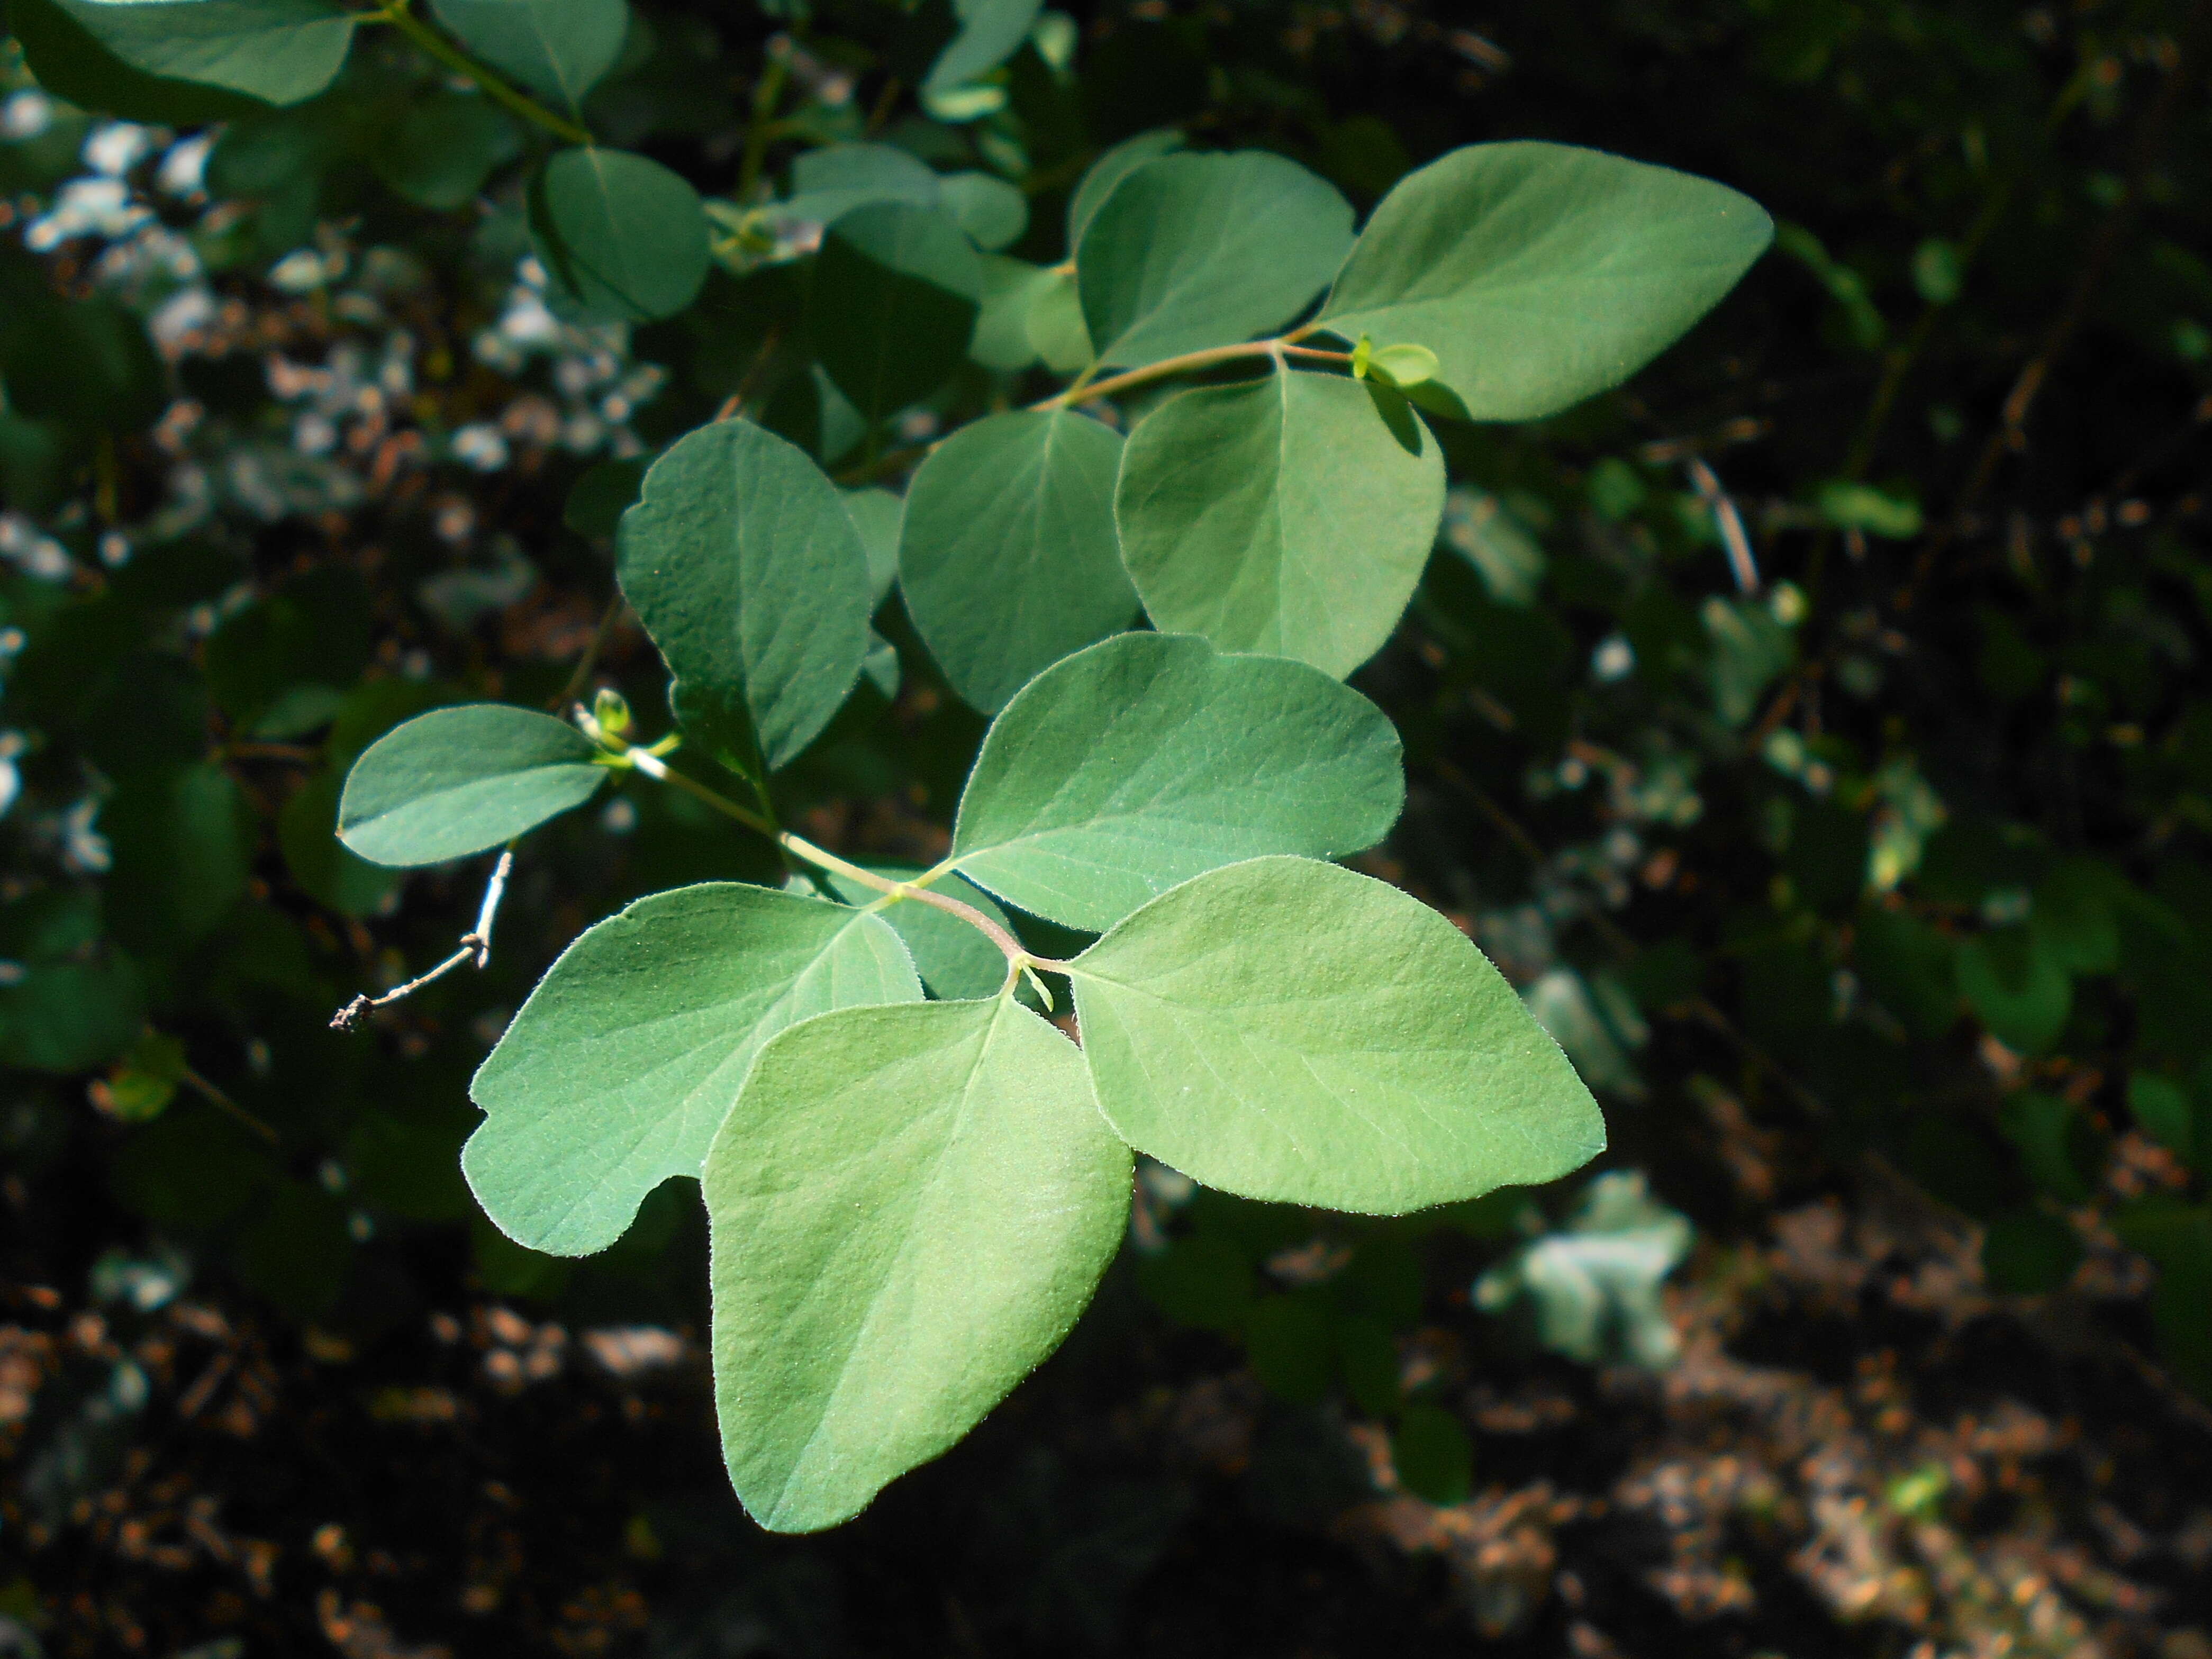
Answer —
(1818, 731)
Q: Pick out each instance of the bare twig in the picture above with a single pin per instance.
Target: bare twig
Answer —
(216, 1098)
(1730, 522)
(475, 946)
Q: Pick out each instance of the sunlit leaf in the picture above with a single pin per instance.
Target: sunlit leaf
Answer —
(909, 1208)
(1288, 1030)
(1539, 274)
(1279, 515)
(1150, 757)
(628, 1055)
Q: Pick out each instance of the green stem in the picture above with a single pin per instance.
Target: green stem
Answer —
(1084, 388)
(766, 95)
(396, 13)
(643, 760)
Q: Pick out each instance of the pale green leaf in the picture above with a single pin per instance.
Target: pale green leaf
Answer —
(456, 781)
(744, 566)
(893, 303)
(1008, 560)
(621, 238)
(1149, 757)
(993, 212)
(1196, 251)
(1111, 167)
(1280, 514)
(991, 32)
(1539, 274)
(282, 51)
(559, 49)
(1292, 1031)
(909, 1208)
(1594, 1286)
(628, 1055)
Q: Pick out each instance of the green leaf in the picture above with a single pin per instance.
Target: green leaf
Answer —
(991, 32)
(621, 238)
(457, 781)
(2162, 1110)
(1433, 1455)
(908, 1209)
(630, 1054)
(2016, 986)
(559, 49)
(1008, 560)
(327, 871)
(2178, 1238)
(1056, 329)
(71, 62)
(1111, 167)
(826, 184)
(746, 570)
(993, 212)
(1149, 758)
(444, 148)
(1280, 515)
(878, 516)
(281, 52)
(1541, 274)
(1288, 1029)
(183, 843)
(896, 292)
(1196, 251)
(1011, 288)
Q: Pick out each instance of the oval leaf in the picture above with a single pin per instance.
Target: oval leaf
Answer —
(460, 780)
(991, 32)
(744, 566)
(71, 62)
(1111, 167)
(621, 238)
(909, 1208)
(1539, 274)
(630, 1052)
(1281, 515)
(896, 292)
(281, 52)
(1194, 251)
(557, 48)
(1148, 758)
(1009, 560)
(1292, 1031)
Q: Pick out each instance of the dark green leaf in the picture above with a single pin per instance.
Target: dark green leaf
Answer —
(621, 238)
(559, 49)
(278, 51)
(896, 292)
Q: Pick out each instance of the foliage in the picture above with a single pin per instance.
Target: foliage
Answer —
(1909, 846)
